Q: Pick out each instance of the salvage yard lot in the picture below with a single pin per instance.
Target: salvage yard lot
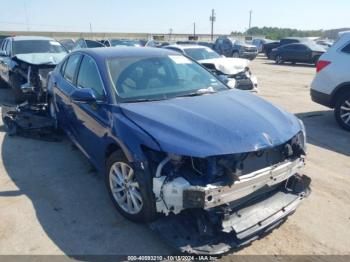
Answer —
(53, 202)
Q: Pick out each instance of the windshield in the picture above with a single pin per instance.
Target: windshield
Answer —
(37, 46)
(201, 53)
(163, 77)
(126, 43)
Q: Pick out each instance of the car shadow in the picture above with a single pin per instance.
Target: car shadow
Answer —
(323, 131)
(71, 202)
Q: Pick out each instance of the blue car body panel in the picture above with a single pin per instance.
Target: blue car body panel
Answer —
(226, 122)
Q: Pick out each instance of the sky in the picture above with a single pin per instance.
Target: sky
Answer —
(158, 16)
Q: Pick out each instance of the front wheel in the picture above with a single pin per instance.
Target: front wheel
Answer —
(342, 111)
(130, 192)
(15, 84)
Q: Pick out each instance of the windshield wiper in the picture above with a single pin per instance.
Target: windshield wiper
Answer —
(138, 100)
(200, 92)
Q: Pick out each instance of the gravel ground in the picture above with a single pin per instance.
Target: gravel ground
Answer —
(53, 202)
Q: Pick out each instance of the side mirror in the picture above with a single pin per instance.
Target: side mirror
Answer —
(3, 53)
(84, 95)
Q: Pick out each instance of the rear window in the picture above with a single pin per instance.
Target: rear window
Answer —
(346, 49)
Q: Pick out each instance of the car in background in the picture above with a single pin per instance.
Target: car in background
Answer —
(324, 43)
(297, 53)
(2, 38)
(230, 47)
(67, 43)
(268, 47)
(331, 85)
(123, 42)
(175, 143)
(227, 69)
(26, 61)
(86, 43)
(193, 42)
(260, 42)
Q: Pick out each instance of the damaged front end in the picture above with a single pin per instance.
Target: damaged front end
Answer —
(33, 78)
(215, 204)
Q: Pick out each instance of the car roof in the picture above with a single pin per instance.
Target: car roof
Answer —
(311, 45)
(26, 38)
(121, 51)
(183, 47)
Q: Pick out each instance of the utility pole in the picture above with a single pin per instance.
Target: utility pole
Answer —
(212, 19)
(194, 30)
(26, 14)
(170, 33)
(250, 18)
(90, 28)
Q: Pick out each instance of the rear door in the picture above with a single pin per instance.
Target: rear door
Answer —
(91, 119)
(302, 53)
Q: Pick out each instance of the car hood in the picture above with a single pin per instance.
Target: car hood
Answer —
(228, 66)
(227, 122)
(41, 58)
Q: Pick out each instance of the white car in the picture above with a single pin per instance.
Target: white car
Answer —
(331, 86)
(234, 71)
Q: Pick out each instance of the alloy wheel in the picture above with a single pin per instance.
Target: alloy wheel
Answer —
(345, 112)
(124, 187)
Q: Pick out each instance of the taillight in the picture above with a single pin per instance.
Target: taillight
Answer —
(321, 64)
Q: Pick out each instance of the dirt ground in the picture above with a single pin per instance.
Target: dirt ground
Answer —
(53, 202)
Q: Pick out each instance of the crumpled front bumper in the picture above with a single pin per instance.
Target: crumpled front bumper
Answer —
(215, 232)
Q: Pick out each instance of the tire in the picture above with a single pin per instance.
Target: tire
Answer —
(15, 84)
(235, 54)
(279, 60)
(342, 111)
(137, 190)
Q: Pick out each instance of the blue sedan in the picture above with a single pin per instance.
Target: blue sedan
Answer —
(169, 136)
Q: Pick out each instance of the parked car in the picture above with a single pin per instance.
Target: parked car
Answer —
(324, 43)
(297, 53)
(225, 68)
(67, 43)
(268, 47)
(201, 43)
(331, 85)
(122, 42)
(25, 62)
(2, 38)
(235, 48)
(87, 43)
(260, 42)
(172, 140)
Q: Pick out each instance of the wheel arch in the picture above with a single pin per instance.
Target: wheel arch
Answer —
(338, 91)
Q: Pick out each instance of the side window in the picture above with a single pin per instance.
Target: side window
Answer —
(89, 77)
(71, 67)
(8, 48)
(346, 49)
(3, 47)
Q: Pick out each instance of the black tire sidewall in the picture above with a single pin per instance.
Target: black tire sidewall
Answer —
(337, 109)
(148, 211)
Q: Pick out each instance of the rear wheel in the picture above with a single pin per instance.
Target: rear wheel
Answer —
(342, 111)
(279, 60)
(131, 193)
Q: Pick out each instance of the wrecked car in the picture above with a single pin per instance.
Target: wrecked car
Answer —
(209, 167)
(234, 72)
(25, 62)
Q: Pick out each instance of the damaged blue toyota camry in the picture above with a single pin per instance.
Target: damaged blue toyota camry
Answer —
(209, 168)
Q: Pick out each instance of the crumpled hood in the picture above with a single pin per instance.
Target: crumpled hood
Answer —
(41, 58)
(227, 122)
(228, 66)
